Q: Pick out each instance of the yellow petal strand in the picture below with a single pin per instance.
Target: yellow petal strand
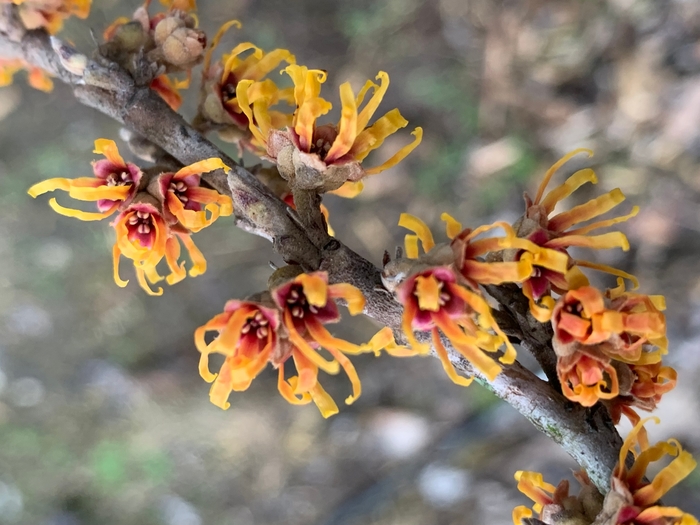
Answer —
(361, 95)
(447, 364)
(583, 212)
(116, 254)
(215, 42)
(330, 367)
(306, 119)
(352, 296)
(203, 166)
(172, 254)
(323, 337)
(399, 155)
(497, 272)
(411, 246)
(573, 183)
(373, 103)
(373, 137)
(315, 289)
(521, 513)
(82, 215)
(323, 401)
(347, 130)
(46, 186)
(551, 171)
(604, 224)
(141, 277)
(351, 373)
(542, 314)
(452, 226)
(611, 270)
(669, 476)
(109, 149)
(230, 336)
(232, 61)
(287, 391)
(244, 104)
(600, 242)
(349, 190)
(628, 446)
(112, 193)
(413, 223)
(384, 340)
(471, 352)
(298, 76)
(266, 64)
(199, 264)
(262, 116)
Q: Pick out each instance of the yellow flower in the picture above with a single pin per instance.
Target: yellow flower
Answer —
(219, 103)
(324, 157)
(114, 184)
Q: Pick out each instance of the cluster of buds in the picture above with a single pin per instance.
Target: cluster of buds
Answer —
(156, 207)
(49, 14)
(169, 41)
(274, 326)
(631, 500)
(609, 347)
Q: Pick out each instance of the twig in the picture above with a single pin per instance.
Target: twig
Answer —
(592, 441)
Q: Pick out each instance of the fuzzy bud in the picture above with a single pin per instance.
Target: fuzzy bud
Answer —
(183, 46)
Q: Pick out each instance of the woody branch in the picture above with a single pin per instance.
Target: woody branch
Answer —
(588, 436)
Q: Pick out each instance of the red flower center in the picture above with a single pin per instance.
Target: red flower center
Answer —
(297, 303)
(141, 227)
(179, 188)
(122, 178)
(258, 325)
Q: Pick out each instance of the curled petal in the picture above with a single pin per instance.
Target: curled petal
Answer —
(573, 183)
(353, 296)
(82, 215)
(600, 242)
(452, 226)
(399, 155)
(416, 225)
(109, 149)
(349, 190)
(551, 171)
(447, 364)
(373, 137)
(315, 289)
(203, 166)
(348, 125)
(373, 103)
(199, 263)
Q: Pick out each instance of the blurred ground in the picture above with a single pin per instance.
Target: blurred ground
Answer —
(103, 417)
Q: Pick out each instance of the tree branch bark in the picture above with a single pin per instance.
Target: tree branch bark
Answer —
(589, 437)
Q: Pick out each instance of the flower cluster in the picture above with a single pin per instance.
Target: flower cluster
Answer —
(609, 347)
(169, 40)
(287, 322)
(632, 499)
(440, 290)
(323, 157)
(557, 233)
(155, 208)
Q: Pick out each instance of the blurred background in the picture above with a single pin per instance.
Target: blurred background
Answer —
(103, 416)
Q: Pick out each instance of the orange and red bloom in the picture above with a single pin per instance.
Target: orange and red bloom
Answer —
(557, 233)
(157, 211)
(289, 323)
(631, 500)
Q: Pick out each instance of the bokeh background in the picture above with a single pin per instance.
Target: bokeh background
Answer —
(103, 416)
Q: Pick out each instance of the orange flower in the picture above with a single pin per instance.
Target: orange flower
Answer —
(434, 301)
(639, 496)
(307, 303)
(219, 104)
(36, 77)
(144, 237)
(169, 90)
(323, 157)
(50, 14)
(556, 232)
(248, 339)
(114, 185)
(626, 327)
(587, 375)
(184, 197)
